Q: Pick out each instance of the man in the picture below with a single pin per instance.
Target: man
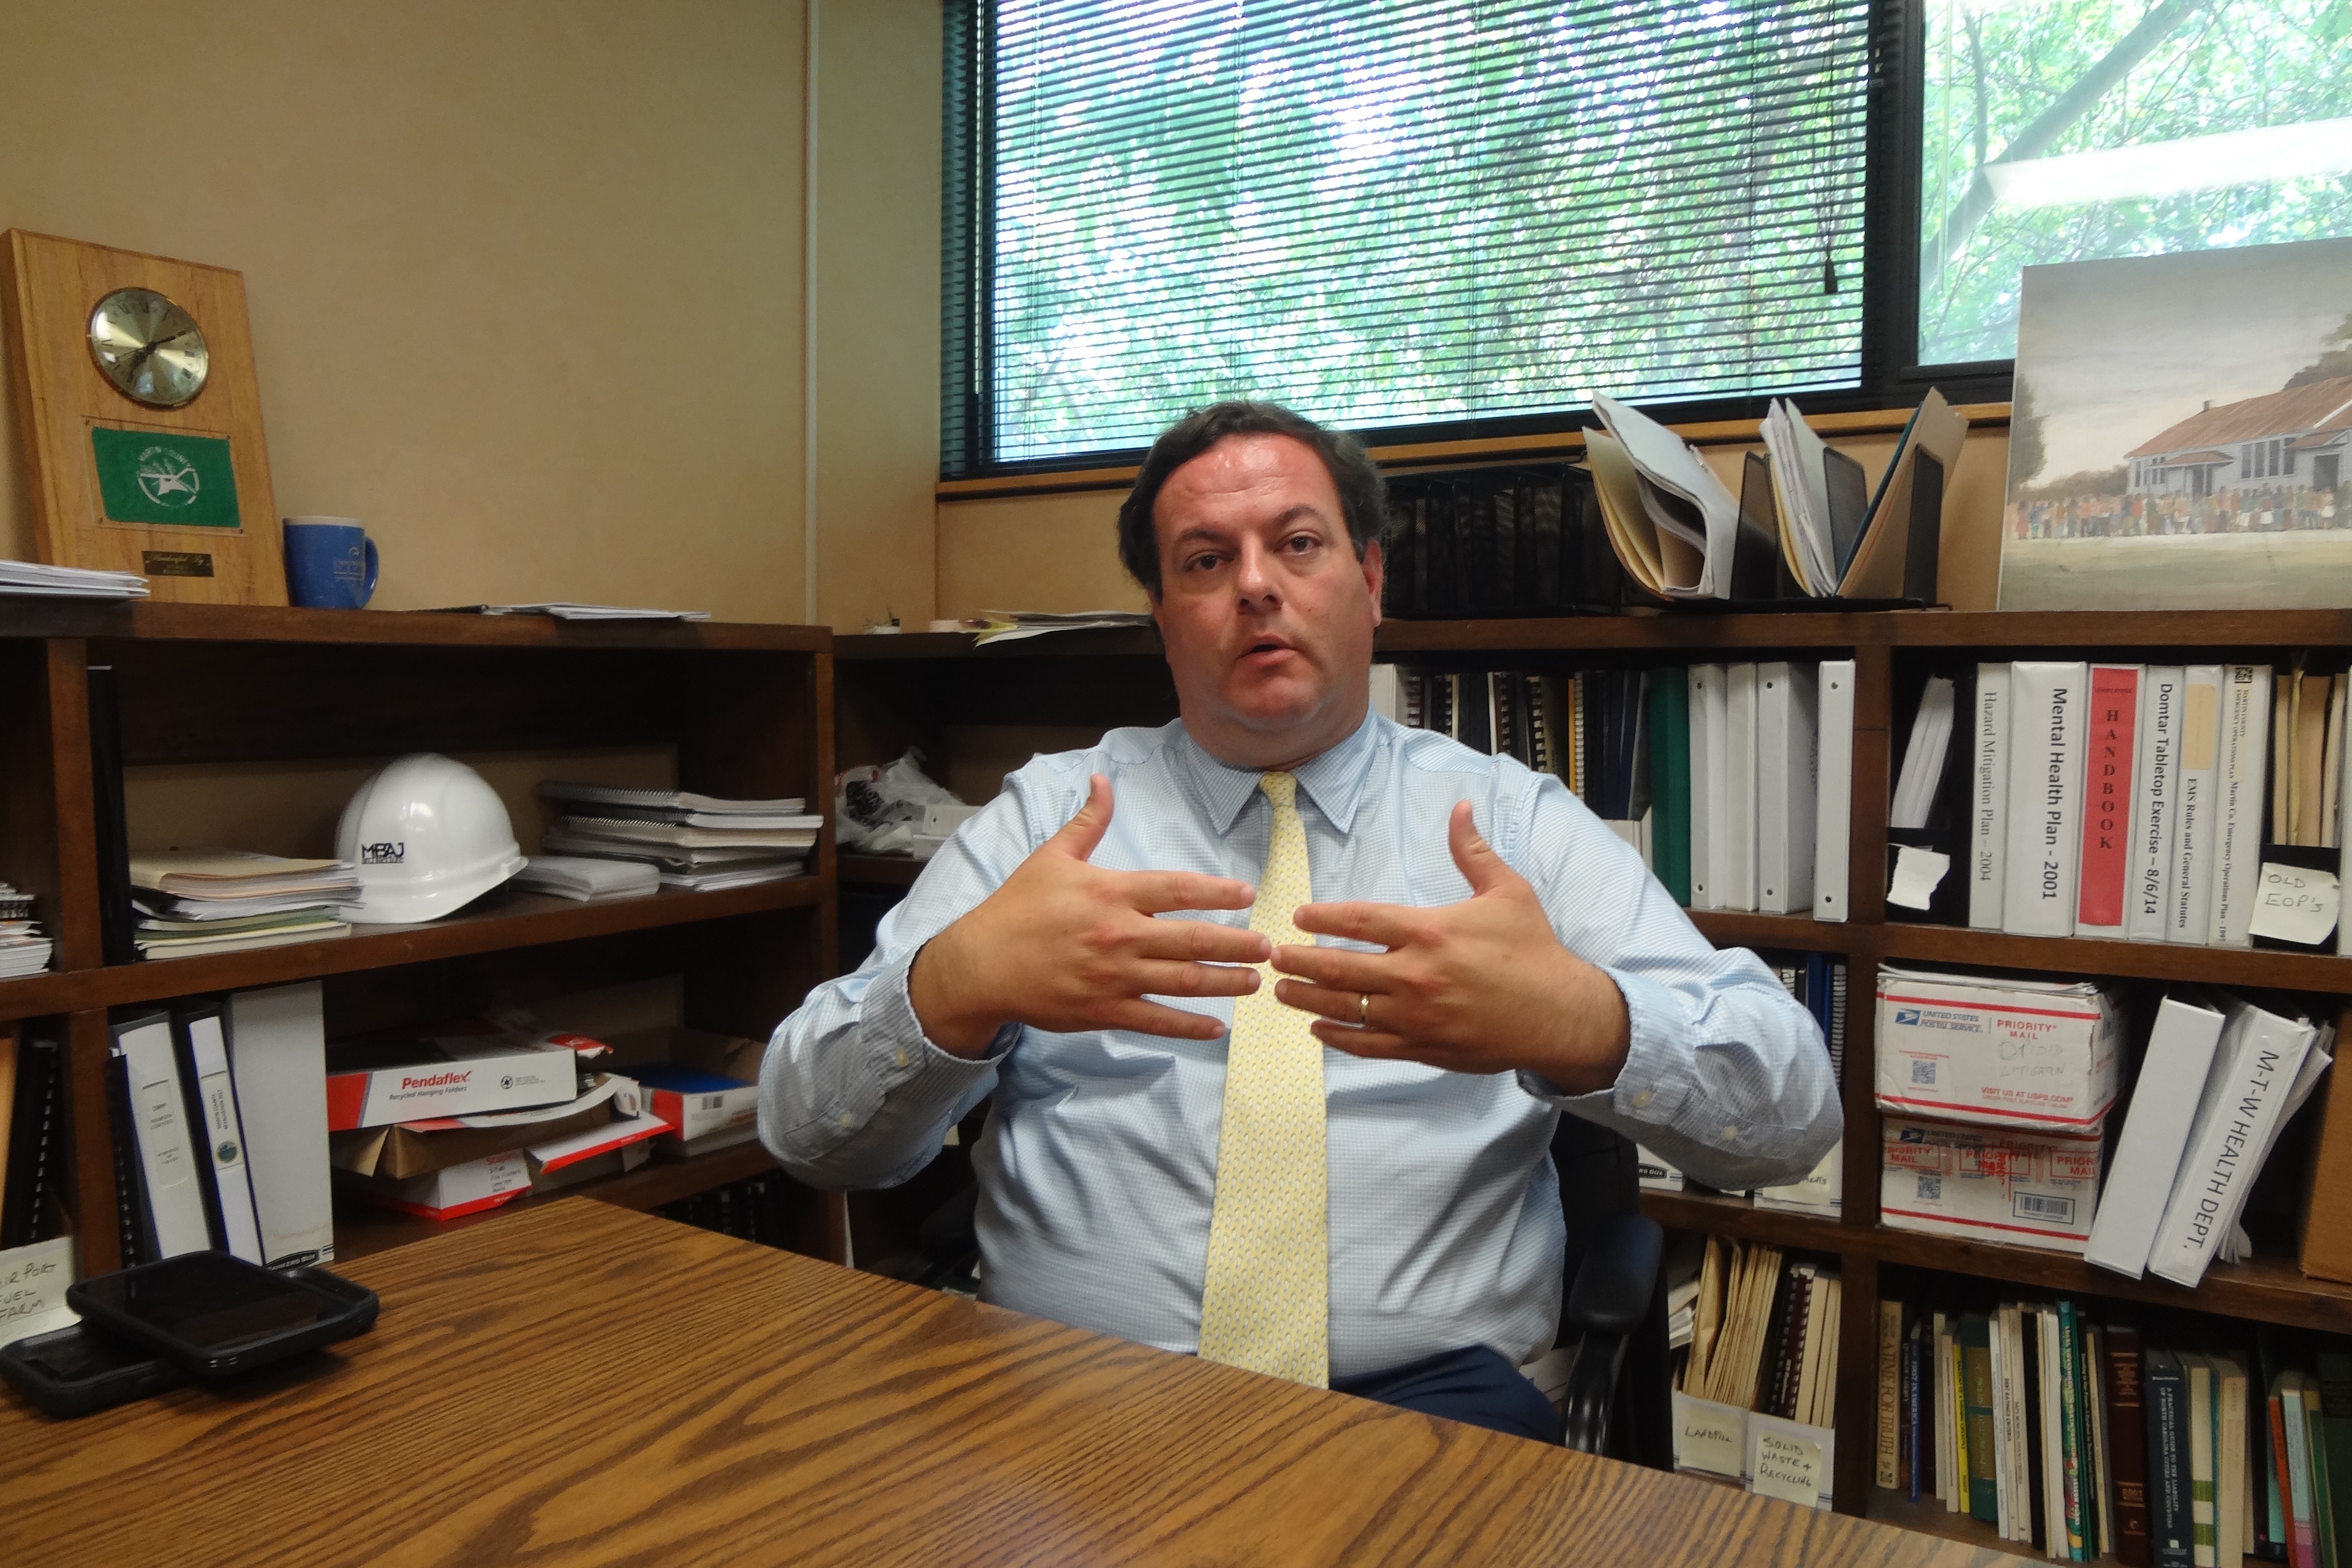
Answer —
(1279, 1003)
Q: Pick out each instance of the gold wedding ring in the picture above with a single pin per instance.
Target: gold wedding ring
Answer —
(1363, 1010)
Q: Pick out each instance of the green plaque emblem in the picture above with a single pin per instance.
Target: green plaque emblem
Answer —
(157, 477)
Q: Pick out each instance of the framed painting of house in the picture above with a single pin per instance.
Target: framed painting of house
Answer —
(2180, 433)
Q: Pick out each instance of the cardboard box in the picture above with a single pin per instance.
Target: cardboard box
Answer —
(374, 1084)
(410, 1149)
(485, 1183)
(700, 1083)
(1988, 1184)
(2031, 1054)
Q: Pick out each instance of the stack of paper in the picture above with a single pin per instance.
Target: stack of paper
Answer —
(23, 949)
(33, 580)
(1672, 522)
(1010, 625)
(1837, 538)
(586, 877)
(695, 843)
(1923, 758)
(224, 901)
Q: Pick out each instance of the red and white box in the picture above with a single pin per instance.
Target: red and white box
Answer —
(2038, 1055)
(1988, 1184)
(485, 1184)
(374, 1085)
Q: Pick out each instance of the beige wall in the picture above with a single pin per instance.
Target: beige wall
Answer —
(525, 277)
(878, 297)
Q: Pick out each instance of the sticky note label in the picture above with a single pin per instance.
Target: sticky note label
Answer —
(1787, 1467)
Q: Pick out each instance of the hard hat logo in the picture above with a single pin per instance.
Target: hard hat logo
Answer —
(384, 854)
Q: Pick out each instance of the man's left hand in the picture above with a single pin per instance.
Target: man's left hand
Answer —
(1481, 986)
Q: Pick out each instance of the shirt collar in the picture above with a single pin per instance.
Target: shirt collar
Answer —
(1334, 778)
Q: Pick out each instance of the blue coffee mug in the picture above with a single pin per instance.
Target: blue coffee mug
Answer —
(330, 563)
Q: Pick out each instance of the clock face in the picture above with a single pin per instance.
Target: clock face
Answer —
(148, 348)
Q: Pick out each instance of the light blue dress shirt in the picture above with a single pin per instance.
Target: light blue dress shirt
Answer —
(1100, 1163)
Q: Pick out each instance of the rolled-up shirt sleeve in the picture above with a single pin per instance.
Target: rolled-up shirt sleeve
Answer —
(852, 1092)
(1726, 1074)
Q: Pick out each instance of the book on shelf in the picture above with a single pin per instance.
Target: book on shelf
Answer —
(2258, 1064)
(2155, 803)
(278, 1060)
(225, 1186)
(1714, 773)
(2084, 1439)
(1989, 796)
(2172, 1075)
(1754, 1395)
(2045, 792)
(2110, 759)
(2238, 801)
(2190, 907)
(35, 1141)
(166, 1155)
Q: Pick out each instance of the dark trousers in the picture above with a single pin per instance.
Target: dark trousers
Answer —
(1477, 1387)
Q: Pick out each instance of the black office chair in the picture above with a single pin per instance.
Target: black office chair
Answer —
(1617, 1399)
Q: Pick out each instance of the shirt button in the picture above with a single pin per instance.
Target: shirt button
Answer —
(847, 1121)
(900, 1055)
(1729, 1133)
(1642, 1101)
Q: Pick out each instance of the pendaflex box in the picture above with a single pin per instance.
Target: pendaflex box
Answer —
(2000, 1051)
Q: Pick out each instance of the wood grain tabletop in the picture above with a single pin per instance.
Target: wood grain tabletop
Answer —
(579, 1385)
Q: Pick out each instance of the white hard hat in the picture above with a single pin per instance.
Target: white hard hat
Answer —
(428, 837)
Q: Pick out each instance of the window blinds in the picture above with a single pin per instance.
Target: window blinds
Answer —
(1403, 214)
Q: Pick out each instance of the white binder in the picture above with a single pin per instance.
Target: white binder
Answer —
(277, 1057)
(1834, 797)
(2189, 904)
(223, 1135)
(1989, 798)
(2155, 802)
(1786, 760)
(159, 1123)
(2048, 699)
(1736, 855)
(1708, 825)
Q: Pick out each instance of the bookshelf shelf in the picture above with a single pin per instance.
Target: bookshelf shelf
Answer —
(1802, 933)
(2270, 967)
(1728, 1216)
(743, 709)
(1066, 685)
(519, 922)
(2263, 1289)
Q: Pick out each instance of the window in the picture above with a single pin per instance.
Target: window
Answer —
(1396, 215)
(2068, 129)
(1469, 216)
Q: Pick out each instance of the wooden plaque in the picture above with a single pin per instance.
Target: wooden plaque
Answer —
(73, 419)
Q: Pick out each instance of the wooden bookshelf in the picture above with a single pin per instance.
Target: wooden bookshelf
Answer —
(745, 710)
(894, 689)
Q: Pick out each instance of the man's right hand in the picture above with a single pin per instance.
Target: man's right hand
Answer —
(1064, 946)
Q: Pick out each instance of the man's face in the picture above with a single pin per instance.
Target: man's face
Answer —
(1267, 614)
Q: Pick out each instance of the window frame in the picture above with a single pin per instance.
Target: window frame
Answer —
(1890, 377)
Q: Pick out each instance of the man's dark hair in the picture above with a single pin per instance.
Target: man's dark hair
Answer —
(1363, 494)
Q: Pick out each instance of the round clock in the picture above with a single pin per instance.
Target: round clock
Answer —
(151, 349)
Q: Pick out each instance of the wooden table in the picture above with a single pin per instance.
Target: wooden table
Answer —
(582, 1384)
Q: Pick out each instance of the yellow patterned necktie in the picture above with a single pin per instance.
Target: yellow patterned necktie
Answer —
(1266, 1302)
